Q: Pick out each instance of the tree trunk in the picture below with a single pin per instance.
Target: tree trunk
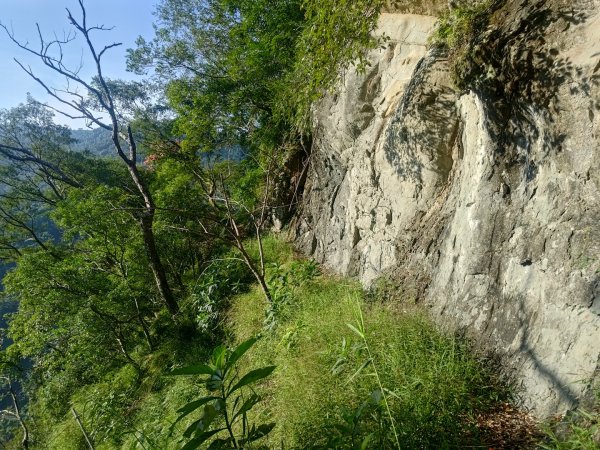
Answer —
(99, 90)
(144, 327)
(259, 274)
(13, 396)
(158, 270)
(147, 225)
(83, 430)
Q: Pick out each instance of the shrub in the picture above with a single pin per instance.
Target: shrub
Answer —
(224, 418)
(457, 29)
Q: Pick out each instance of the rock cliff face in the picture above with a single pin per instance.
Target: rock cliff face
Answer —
(486, 202)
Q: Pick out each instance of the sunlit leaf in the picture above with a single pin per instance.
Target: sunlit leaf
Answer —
(198, 369)
(253, 376)
(240, 350)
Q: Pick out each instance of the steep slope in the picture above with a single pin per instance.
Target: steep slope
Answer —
(486, 201)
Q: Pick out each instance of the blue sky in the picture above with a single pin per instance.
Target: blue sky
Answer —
(130, 18)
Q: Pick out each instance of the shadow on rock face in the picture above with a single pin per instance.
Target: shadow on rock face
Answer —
(425, 125)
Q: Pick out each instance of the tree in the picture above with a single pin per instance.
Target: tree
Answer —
(34, 145)
(35, 173)
(10, 372)
(224, 62)
(101, 95)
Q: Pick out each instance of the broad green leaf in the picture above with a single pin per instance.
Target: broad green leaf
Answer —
(252, 376)
(190, 408)
(259, 432)
(219, 444)
(198, 369)
(200, 439)
(219, 356)
(194, 426)
(240, 350)
(220, 405)
(215, 382)
(202, 424)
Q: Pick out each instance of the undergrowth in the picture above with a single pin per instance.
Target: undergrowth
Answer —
(351, 371)
(336, 388)
(578, 430)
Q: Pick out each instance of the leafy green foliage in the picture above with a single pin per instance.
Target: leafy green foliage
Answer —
(336, 34)
(223, 59)
(283, 281)
(456, 31)
(245, 72)
(239, 75)
(379, 396)
(35, 173)
(226, 407)
(30, 125)
(351, 431)
(221, 279)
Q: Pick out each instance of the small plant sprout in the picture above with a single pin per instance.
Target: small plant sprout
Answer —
(359, 329)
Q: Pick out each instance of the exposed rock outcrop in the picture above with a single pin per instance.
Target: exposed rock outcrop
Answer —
(487, 200)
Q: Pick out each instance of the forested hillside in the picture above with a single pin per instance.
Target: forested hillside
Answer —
(96, 141)
(159, 304)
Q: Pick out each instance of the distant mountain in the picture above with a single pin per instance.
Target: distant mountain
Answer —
(4, 267)
(97, 141)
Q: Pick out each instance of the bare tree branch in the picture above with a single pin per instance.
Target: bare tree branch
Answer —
(99, 90)
(22, 154)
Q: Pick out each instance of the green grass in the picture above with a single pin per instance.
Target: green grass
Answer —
(129, 409)
(580, 430)
(433, 384)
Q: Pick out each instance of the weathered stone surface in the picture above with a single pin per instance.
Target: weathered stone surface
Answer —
(362, 190)
(488, 200)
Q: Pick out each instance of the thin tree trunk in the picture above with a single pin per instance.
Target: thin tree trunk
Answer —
(258, 274)
(100, 90)
(121, 343)
(15, 401)
(160, 277)
(82, 428)
(144, 326)
(234, 231)
(147, 221)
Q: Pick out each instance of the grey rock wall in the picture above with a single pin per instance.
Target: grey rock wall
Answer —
(361, 190)
(487, 200)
